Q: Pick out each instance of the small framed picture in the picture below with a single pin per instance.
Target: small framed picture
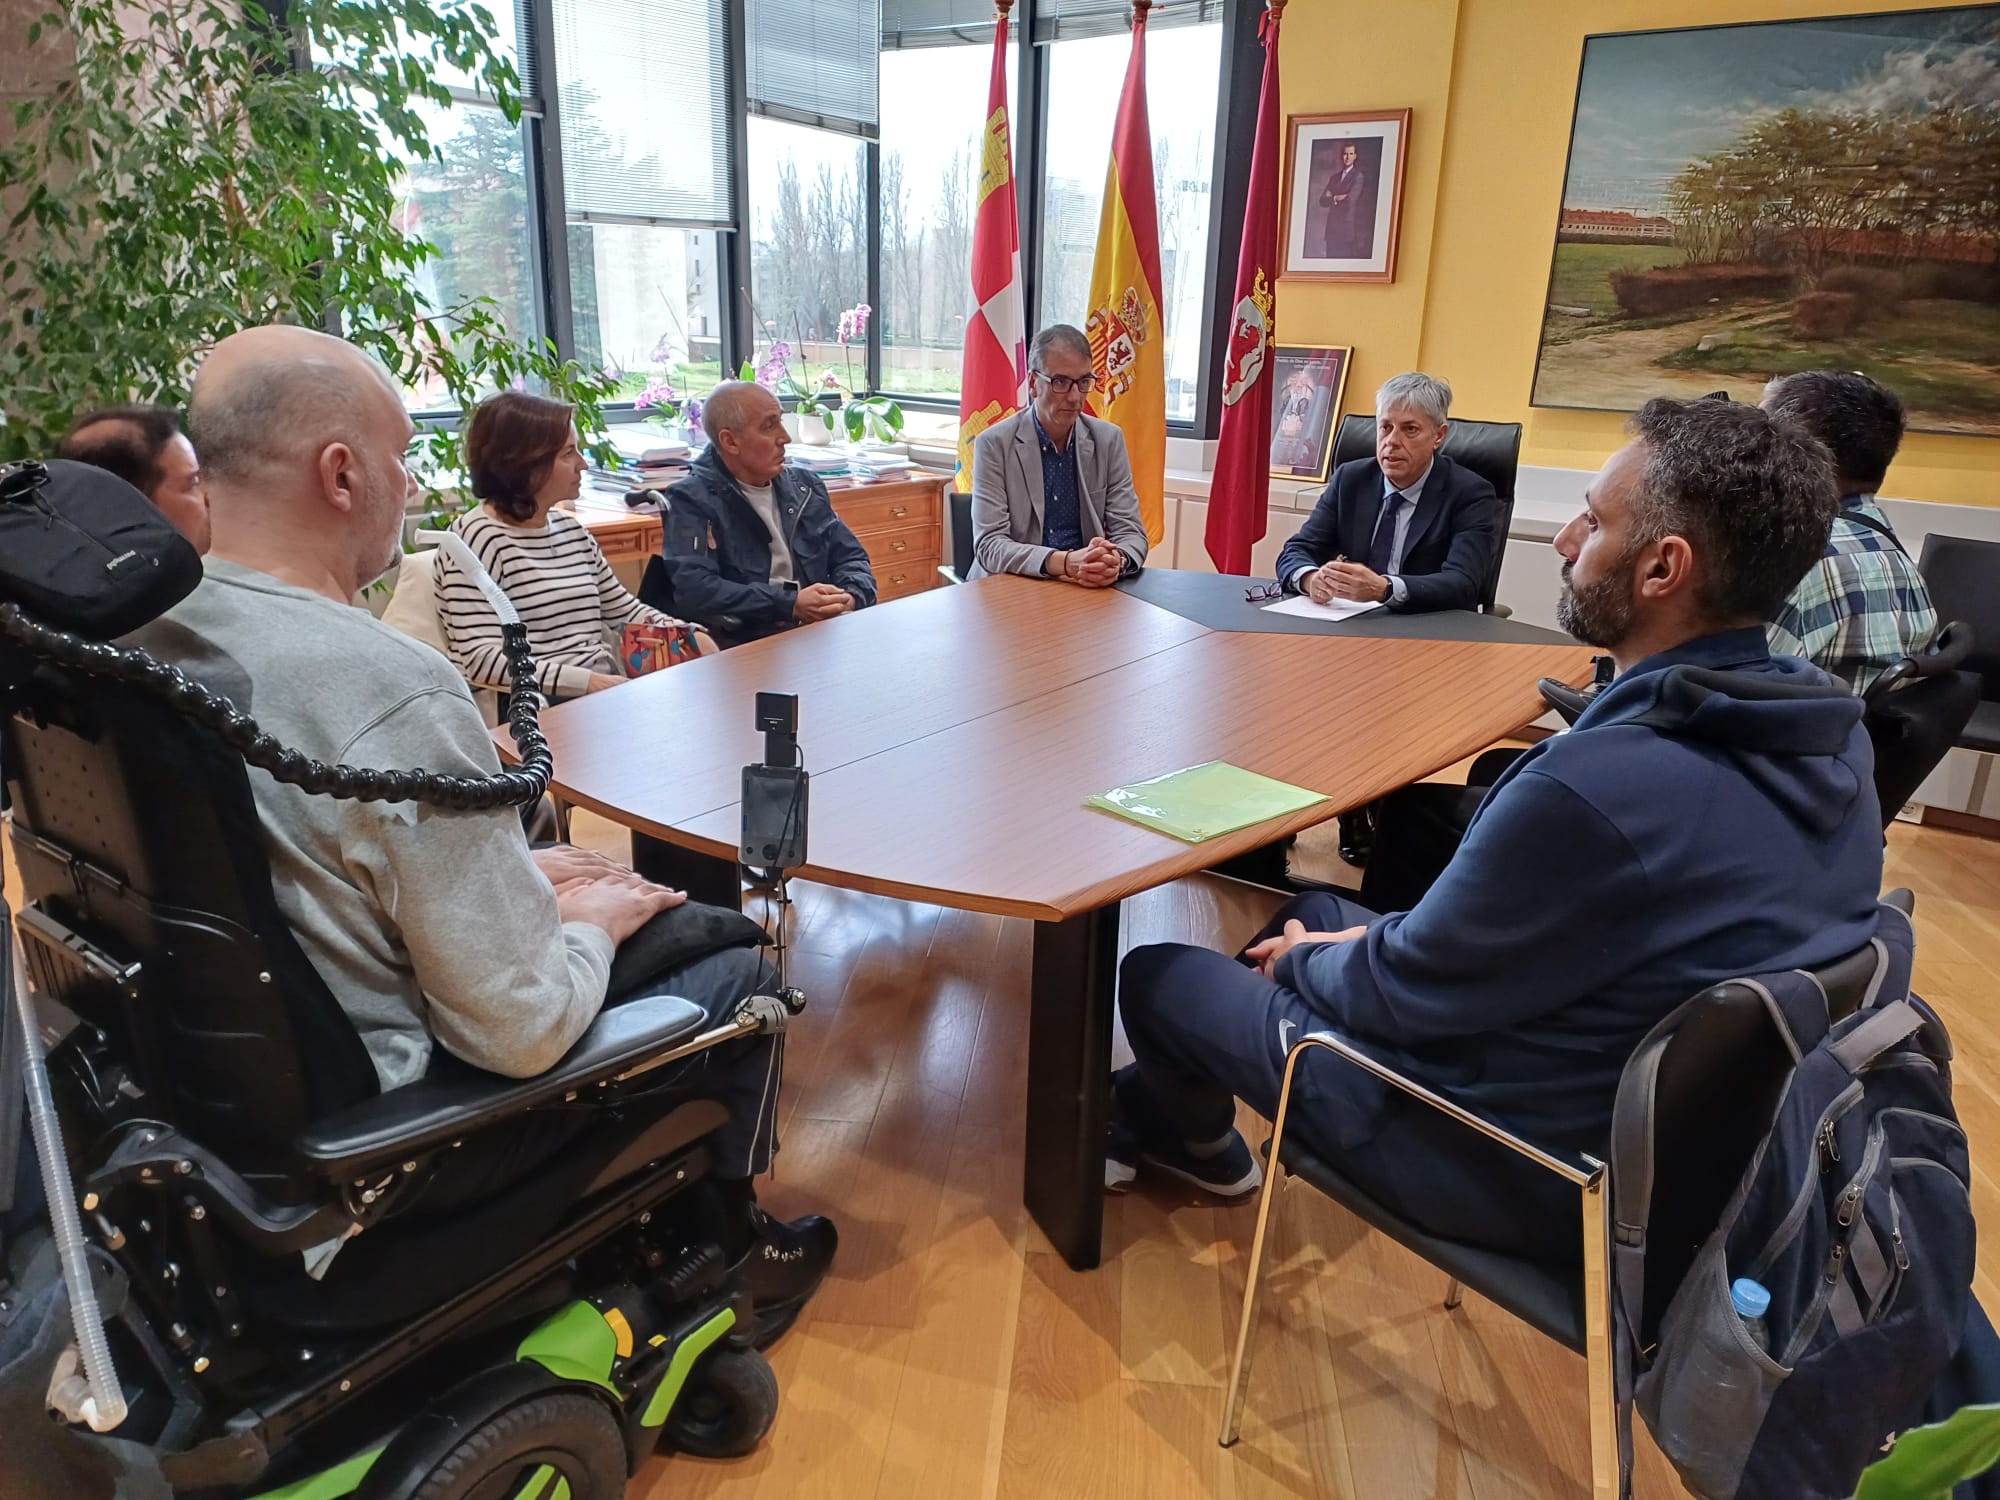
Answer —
(1305, 409)
(1344, 195)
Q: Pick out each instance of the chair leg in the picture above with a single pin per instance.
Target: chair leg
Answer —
(1453, 1295)
(562, 817)
(1606, 1479)
(1274, 1177)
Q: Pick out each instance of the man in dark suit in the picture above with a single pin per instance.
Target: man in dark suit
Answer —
(1348, 230)
(1407, 528)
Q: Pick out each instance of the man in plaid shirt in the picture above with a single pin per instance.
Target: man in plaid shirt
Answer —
(1863, 607)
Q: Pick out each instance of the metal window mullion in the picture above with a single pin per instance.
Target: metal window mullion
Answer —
(732, 250)
(1030, 153)
(873, 259)
(546, 202)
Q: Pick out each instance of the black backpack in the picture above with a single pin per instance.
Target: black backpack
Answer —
(82, 550)
(1854, 1215)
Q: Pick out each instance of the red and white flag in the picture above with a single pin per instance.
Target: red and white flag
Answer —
(1240, 489)
(994, 382)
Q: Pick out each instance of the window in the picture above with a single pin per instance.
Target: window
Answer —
(646, 305)
(809, 243)
(1183, 70)
(933, 121)
(472, 204)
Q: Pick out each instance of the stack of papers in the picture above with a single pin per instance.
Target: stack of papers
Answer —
(1335, 609)
(1204, 802)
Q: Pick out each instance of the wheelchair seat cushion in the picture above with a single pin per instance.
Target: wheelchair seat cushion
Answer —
(675, 937)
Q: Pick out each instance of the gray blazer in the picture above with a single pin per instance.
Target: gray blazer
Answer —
(1007, 495)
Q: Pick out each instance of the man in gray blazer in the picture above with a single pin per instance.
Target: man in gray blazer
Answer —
(1052, 492)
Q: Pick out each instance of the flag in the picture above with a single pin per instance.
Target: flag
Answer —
(1240, 488)
(994, 378)
(1124, 328)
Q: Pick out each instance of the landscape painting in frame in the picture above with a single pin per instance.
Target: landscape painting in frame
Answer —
(1746, 201)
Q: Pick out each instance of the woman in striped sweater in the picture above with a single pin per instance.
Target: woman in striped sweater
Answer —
(522, 454)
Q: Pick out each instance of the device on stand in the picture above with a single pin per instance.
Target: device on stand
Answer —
(773, 839)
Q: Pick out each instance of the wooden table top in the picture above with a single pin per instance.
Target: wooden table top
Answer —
(953, 735)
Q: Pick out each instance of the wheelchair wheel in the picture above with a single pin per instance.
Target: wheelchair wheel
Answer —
(730, 1402)
(526, 1449)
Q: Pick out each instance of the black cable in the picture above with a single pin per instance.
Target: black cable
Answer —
(136, 668)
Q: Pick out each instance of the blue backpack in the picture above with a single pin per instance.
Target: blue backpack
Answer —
(1854, 1215)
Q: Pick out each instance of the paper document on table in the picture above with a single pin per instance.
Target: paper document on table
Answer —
(1205, 801)
(1333, 609)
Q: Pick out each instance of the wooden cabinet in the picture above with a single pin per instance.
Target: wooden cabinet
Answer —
(901, 524)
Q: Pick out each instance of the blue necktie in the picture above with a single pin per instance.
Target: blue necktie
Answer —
(1381, 551)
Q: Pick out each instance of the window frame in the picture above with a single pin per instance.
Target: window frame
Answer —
(550, 270)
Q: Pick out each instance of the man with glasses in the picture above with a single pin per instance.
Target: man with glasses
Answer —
(1052, 492)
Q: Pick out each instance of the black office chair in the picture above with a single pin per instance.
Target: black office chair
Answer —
(1718, 1086)
(1492, 450)
(1916, 711)
(961, 539)
(223, 1117)
(1963, 576)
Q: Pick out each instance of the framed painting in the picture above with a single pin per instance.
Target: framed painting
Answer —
(1343, 195)
(1747, 201)
(1305, 409)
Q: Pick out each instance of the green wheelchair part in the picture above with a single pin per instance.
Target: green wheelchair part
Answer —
(576, 1344)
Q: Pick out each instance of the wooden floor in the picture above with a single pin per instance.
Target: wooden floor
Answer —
(953, 1354)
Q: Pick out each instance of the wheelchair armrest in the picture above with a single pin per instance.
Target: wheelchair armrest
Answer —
(1574, 1166)
(455, 1099)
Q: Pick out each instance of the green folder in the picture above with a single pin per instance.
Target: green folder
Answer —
(1204, 802)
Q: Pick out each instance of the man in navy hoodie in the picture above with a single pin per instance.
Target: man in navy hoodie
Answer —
(1712, 814)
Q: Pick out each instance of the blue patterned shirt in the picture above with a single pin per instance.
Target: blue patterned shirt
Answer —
(1062, 502)
(1862, 608)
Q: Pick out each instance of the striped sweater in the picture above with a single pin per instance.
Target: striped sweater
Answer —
(566, 594)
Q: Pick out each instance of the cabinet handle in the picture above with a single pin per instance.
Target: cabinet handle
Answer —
(899, 546)
(897, 577)
(899, 510)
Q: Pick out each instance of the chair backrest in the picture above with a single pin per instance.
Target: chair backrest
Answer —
(1915, 712)
(135, 830)
(1492, 450)
(656, 586)
(961, 535)
(1720, 1078)
(1963, 576)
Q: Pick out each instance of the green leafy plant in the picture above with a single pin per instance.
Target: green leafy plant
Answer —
(206, 167)
(1927, 1462)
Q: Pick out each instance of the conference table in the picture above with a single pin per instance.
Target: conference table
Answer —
(952, 737)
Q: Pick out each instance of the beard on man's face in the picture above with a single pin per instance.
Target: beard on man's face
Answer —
(1599, 613)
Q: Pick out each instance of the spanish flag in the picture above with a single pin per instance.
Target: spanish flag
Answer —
(994, 377)
(1124, 327)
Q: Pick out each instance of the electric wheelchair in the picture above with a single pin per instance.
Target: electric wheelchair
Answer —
(282, 1319)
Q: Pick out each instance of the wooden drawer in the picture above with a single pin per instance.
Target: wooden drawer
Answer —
(906, 578)
(905, 544)
(865, 513)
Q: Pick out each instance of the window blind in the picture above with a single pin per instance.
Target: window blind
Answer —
(940, 23)
(816, 62)
(1062, 20)
(645, 113)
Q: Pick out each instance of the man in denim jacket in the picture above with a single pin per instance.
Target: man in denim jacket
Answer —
(752, 547)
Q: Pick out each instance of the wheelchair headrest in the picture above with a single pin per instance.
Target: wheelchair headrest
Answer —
(83, 551)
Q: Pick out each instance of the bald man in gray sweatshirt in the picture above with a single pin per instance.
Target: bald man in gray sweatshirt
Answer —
(431, 928)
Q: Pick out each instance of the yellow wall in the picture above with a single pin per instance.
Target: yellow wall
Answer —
(1490, 84)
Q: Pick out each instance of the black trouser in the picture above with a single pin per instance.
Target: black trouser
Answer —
(742, 1075)
(1207, 1029)
(1418, 829)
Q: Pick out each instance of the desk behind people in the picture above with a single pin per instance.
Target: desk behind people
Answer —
(899, 523)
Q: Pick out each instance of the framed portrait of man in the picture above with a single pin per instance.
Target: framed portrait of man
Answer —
(1343, 195)
(1305, 409)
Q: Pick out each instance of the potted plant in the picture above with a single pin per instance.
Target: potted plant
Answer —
(830, 404)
